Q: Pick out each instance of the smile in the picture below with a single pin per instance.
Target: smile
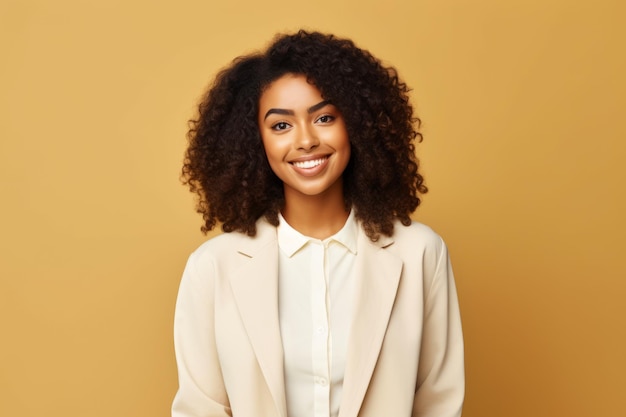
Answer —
(309, 164)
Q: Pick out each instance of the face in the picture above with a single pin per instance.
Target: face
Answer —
(304, 136)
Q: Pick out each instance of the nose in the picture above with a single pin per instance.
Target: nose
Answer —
(307, 139)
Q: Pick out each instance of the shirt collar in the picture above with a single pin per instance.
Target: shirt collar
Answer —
(291, 241)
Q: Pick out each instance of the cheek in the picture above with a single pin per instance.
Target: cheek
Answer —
(268, 146)
(272, 155)
(273, 151)
(343, 143)
(346, 158)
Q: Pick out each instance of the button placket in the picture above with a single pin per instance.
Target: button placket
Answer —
(321, 365)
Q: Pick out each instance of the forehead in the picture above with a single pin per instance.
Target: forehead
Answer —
(291, 91)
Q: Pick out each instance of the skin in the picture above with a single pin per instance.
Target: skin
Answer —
(308, 148)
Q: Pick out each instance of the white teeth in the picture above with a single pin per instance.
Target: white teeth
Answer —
(309, 164)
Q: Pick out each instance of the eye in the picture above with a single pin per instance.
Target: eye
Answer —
(327, 118)
(281, 126)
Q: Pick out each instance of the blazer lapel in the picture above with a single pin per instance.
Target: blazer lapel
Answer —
(378, 275)
(255, 289)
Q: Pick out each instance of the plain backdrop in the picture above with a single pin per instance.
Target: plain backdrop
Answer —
(522, 104)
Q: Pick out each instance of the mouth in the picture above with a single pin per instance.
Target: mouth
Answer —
(312, 163)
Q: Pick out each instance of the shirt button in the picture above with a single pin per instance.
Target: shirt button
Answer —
(322, 381)
(321, 330)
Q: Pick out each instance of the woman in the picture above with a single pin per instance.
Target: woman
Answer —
(322, 298)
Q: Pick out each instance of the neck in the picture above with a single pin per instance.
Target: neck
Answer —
(318, 216)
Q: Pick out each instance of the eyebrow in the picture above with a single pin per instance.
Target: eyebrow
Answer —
(288, 112)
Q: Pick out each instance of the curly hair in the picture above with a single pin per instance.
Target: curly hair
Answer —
(225, 162)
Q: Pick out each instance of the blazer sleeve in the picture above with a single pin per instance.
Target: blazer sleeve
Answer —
(441, 375)
(201, 391)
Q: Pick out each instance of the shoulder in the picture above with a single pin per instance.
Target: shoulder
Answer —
(422, 251)
(416, 235)
(417, 242)
(221, 243)
(227, 246)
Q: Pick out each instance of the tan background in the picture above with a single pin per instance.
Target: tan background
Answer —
(523, 106)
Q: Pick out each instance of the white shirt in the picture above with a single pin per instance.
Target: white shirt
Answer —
(315, 296)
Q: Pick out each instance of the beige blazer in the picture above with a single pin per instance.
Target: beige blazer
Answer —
(405, 348)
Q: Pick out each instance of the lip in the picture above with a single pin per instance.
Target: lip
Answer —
(312, 170)
(311, 157)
